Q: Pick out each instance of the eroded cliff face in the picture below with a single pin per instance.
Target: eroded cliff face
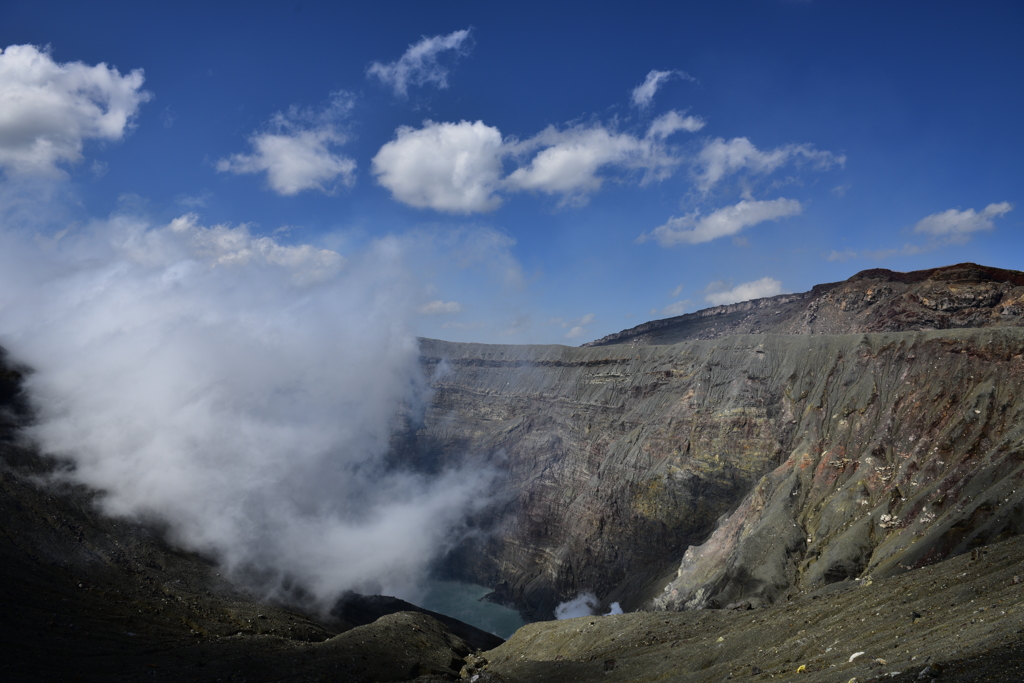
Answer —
(909, 449)
(743, 467)
(613, 460)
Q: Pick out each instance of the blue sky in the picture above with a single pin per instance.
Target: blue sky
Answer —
(552, 171)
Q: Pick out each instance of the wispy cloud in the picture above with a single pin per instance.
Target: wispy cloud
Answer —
(958, 225)
(520, 324)
(673, 121)
(720, 158)
(675, 308)
(695, 229)
(577, 327)
(48, 110)
(421, 63)
(746, 291)
(439, 307)
(842, 256)
(298, 150)
(943, 229)
(643, 94)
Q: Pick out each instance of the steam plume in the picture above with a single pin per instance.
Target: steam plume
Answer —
(239, 390)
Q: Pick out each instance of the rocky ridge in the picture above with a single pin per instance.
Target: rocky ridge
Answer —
(877, 300)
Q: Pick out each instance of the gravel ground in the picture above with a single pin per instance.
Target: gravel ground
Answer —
(965, 614)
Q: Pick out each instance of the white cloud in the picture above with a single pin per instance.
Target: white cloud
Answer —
(48, 110)
(957, 225)
(295, 162)
(719, 158)
(729, 220)
(569, 160)
(757, 289)
(578, 326)
(673, 121)
(945, 228)
(458, 167)
(298, 152)
(841, 256)
(224, 245)
(643, 94)
(440, 307)
(454, 167)
(419, 65)
(676, 308)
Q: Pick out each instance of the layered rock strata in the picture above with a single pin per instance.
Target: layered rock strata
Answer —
(762, 463)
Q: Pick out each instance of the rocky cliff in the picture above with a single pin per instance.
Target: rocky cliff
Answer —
(746, 466)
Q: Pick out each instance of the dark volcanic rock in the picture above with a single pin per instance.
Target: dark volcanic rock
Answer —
(878, 300)
(354, 608)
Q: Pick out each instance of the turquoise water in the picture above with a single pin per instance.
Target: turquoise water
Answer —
(462, 601)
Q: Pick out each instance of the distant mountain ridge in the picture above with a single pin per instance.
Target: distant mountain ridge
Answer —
(877, 300)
